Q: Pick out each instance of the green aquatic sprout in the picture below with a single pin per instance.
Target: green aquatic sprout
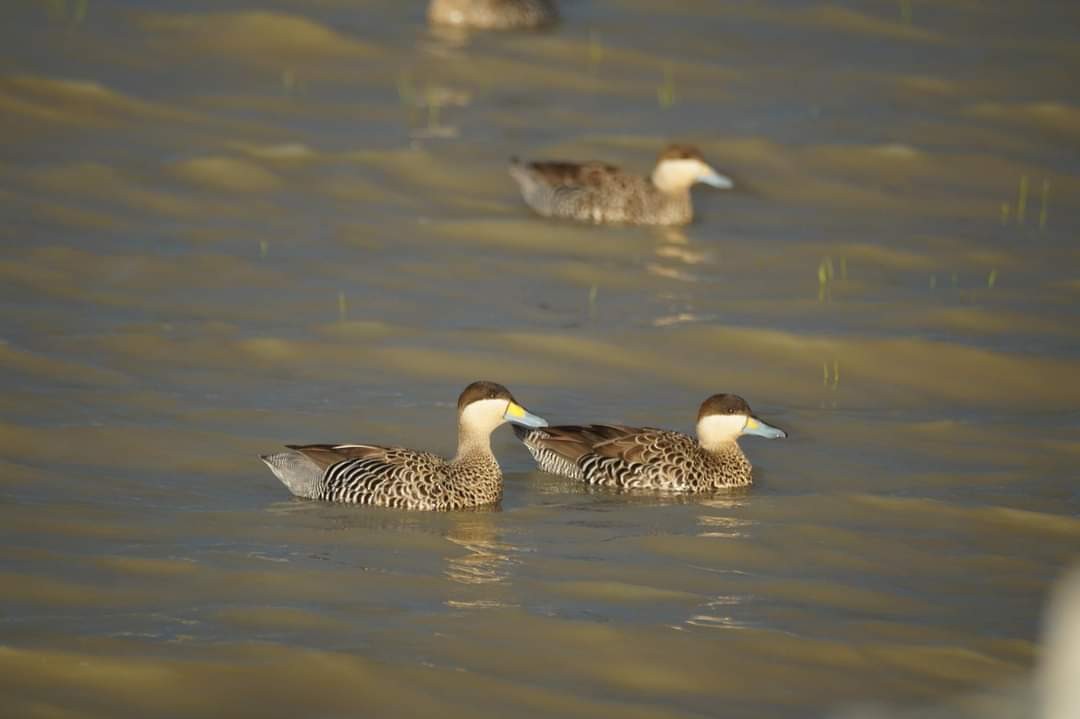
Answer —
(432, 113)
(264, 249)
(905, 11)
(831, 379)
(593, 291)
(288, 80)
(596, 50)
(429, 99)
(1045, 199)
(665, 94)
(405, 89)
(1021, 200)
(57, 11)
(408, 95)
(1022, 192)
(991, 279)
(825, 274)
(342, 306)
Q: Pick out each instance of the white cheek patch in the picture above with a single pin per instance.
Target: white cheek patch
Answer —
(720, 427)
(679, 172)
(485, 413)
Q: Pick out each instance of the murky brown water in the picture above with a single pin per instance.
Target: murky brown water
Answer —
(232, 225)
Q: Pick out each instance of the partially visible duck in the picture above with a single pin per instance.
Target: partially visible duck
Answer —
(646, 458)
(602, 194)
(407, 478)
(493, 14)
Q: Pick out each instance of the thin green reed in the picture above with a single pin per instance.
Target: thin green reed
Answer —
(665, 94)
(1021, 200)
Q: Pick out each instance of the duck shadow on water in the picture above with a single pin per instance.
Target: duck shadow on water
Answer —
(346, 516)
(478, 551)
(612, 497)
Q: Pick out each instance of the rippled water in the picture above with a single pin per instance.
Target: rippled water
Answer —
(230, 226)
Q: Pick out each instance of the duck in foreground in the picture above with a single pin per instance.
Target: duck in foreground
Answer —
(604, 194)
(406, 478)
(644, 458)
(493, 14)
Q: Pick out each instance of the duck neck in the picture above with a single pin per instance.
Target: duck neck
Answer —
(728, 446)
(473, 445)
(730, 466)
(474, 470)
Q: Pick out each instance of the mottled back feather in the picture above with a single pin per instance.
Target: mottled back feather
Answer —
(599, 193)
(635, 444)
(585, 174)
(635, 457)
(573, 441)
(404, 478)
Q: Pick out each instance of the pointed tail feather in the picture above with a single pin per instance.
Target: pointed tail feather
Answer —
(295, 471)
(520, 172)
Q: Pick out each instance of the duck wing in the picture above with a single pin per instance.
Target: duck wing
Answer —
(638, 445)
(610, 441)
(373, 474)
(589, 191)
(326, 455)
(573, 174)
(604, 454)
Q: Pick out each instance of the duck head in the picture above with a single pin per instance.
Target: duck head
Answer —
(680, 166)
(723, 418)
(483, 406)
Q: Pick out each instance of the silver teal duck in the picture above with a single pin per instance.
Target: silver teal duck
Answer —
(406, 478)
(493, 14)
(605, 194)
(645, 458)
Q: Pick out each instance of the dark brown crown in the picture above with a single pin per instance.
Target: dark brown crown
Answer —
(483, 390)
(723, 404)
(680, 152)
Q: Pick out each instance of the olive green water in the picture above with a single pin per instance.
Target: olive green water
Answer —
(229, 225)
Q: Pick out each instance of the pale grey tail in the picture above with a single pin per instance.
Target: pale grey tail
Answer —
(521, 174)
(528, 435)
(546, 459)
(537, 194)
(296, 471)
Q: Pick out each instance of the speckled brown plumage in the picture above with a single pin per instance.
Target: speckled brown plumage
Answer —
(605, 194)
(612, 455)
(406, 478)
(635, 458)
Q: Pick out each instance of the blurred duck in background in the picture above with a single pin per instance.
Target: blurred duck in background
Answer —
(493, 14)
(605, 194)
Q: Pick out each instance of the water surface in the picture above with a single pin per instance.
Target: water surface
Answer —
(232, 225)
